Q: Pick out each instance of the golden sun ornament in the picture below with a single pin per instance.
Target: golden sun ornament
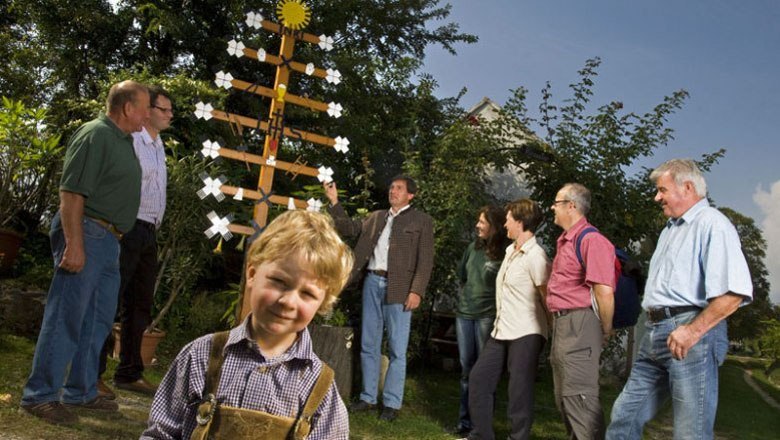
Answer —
(293, 14)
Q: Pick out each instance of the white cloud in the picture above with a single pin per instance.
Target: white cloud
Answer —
(769, 202)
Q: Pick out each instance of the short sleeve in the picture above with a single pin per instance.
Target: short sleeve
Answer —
(83, 164)
(539, 267)
(599, 256)
(724, 265)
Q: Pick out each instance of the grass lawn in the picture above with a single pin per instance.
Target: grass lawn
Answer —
(430, 408)
(768, 386)
(742, 414)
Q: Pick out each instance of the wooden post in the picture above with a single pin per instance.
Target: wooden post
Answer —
(272, 140)
(293, 15)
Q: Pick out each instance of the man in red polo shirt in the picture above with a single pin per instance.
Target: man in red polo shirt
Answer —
(578, 330)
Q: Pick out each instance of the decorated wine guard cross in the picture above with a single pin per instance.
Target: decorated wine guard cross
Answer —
(293, 15)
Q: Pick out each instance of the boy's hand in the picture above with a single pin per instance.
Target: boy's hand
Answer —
(412, 301)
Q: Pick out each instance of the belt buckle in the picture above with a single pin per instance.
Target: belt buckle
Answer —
(110, 227)
(655, 315)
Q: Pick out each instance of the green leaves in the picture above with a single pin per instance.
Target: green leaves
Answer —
(29, 160)
(597, 148)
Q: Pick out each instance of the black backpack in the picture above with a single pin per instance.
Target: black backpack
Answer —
(629, 282)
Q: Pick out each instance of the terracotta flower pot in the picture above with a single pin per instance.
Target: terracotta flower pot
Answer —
(148, 344)
(10, 242)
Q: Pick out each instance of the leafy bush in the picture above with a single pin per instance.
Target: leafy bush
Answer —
(29, 154)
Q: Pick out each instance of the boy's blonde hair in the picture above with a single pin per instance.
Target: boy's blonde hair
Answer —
(312, 237)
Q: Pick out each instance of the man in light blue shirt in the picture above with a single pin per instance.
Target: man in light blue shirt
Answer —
(698, 276)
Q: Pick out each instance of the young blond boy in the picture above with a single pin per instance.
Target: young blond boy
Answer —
(270, 384)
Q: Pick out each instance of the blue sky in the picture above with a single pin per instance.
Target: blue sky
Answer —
(726, 54)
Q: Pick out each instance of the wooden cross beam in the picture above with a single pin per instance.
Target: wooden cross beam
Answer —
(293, 15)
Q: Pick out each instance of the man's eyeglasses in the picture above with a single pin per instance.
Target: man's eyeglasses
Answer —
(163, 109)
(557, 202)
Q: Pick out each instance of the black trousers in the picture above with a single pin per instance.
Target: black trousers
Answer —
(521, 357)
(138, 269)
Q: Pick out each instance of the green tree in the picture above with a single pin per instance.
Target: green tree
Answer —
(452, 176)
(81, 42)
(744, 323)
(595, 149)
(28, 165)
(770, 344)
(22, 73)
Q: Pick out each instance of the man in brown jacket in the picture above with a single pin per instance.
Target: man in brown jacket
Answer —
(394, 257)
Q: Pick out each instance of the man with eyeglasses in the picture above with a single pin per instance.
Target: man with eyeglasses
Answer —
(138, 260)
(581, 300)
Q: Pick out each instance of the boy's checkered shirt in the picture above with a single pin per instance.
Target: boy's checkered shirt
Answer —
(249, 380)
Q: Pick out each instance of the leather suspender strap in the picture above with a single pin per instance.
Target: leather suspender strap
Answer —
(317, 395)
(216, 359)
(209, 405)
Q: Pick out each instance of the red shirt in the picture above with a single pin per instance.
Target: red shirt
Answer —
(569, 285)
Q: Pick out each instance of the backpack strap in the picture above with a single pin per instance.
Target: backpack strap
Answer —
(578, 243)
(317, 395)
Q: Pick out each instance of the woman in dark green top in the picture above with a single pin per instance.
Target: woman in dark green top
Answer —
(477, 301)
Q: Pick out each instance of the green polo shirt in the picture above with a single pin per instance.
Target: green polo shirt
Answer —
(101, 165)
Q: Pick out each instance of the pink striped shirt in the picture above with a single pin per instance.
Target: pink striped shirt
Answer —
(151, 156)
(569, 285)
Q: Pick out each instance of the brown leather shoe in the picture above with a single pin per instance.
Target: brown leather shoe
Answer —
(140, 386)
(104, 391)
(96, 404)
(52, 412)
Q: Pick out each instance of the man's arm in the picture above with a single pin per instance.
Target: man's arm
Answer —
(346, 226)
(71, 214)
(687, 335)
(543, 294)
(605, 299)
(422, 272)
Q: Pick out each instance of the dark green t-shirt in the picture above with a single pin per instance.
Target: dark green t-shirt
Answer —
(478, 274)
(101, 165)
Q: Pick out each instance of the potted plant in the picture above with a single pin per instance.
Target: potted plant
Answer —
(29, 160)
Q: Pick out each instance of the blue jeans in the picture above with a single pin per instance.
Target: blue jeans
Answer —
(79, 312)
(472, 335)
(656, 375)
(378, 315)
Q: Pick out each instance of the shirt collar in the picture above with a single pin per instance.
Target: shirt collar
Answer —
(390, 210)
(690, 214)
(531, 242)
(110, 122)
(301, 348)
(575, 229)
(147, 137)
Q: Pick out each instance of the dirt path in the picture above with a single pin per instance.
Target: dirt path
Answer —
(748, 376)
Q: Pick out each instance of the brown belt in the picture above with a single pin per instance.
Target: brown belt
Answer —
(662, 313)
(559, 313)
(381, 273)
(108, 226)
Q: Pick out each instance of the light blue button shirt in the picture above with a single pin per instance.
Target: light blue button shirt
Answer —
(698, 257)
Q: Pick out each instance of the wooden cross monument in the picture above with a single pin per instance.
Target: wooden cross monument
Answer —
(293, 16)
